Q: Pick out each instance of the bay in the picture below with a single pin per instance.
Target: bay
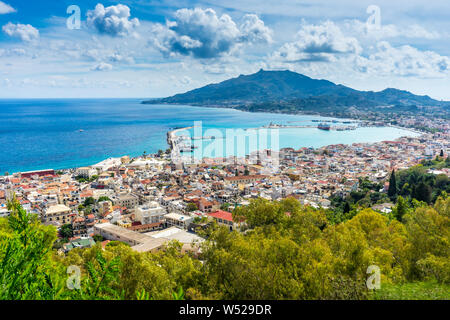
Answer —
(68, 133)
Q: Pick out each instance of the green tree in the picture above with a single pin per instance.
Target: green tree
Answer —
(89, 201)
(401, 208)
(26, 270)
(422, 192)
(191, 207)
(66, 231)
(347, 207)
(103, 198)
(392, 191)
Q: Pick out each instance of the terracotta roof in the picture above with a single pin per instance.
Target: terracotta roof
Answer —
(224, 215)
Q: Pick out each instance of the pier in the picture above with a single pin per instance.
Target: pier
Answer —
(332, 127)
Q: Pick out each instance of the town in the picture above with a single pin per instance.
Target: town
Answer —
(151, 200)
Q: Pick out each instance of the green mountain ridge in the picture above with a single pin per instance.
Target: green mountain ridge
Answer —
(290, 91)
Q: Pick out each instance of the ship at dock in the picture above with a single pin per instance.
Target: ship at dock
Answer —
(324, 126)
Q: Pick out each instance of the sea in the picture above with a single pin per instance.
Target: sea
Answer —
(68, 133)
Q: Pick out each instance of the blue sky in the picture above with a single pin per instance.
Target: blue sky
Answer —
(149, 48)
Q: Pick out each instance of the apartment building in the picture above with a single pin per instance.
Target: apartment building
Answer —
(57, 214)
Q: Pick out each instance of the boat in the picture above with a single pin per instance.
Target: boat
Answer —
(324, 126)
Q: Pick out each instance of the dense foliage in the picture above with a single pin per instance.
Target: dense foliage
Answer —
(407, 188)
(286, 252)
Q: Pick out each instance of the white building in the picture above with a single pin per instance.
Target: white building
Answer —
(178, 220)
(86, 172)
(149, 213)
(106, 164)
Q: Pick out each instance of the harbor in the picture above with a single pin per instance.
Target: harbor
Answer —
(321, 126)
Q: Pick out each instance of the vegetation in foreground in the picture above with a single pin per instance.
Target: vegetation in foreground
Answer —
(287, 252)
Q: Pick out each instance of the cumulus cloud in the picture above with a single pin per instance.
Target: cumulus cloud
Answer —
(119, 58)
(390, 31)
(113, 20)
(25, 32)
(203, 34)
(403, 61)
(322, 42)
(12, 52)
(102, 66)
(253, 29)
(6, 8)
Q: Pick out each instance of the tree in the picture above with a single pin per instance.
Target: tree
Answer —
(442, 153)
(225, 206)
(104, 198)
(429, 236)
(347, 207)
(423, 192)
(66, 231)
(291, 252)
(392, 191)
(26, 271)
(89, 201)
(191, 207)
(401, 208)
(97, 238)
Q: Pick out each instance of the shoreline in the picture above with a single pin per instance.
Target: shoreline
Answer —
(171, 134)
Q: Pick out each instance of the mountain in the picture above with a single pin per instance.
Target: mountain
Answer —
(282, 90)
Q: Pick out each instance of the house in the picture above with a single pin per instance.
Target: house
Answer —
(190, 241)
(225, 218)
(244, 179)
(384, 207)
(138, 241)
(86, 172)
(58, 214)
(129, 201)
(178, 220)
(79, 226)
(149, 213)
(82, 242)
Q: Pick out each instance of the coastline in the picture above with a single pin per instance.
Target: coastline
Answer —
(172, 133)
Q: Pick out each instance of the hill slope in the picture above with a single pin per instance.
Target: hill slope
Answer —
(269, 89)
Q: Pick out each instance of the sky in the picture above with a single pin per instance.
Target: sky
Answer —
(156, 48)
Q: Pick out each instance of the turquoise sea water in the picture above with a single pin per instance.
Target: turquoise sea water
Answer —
(42, 134)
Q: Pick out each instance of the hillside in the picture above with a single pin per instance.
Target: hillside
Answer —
(290, 91)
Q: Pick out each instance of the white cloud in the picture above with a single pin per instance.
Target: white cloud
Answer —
(253, 29)
(113, 20)
(403, 61)
(102, 66)
(204, 34)
(185, 80)
(384, 31)
(25, 32)
(6, 8)
(322, 42)
(117, 57)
